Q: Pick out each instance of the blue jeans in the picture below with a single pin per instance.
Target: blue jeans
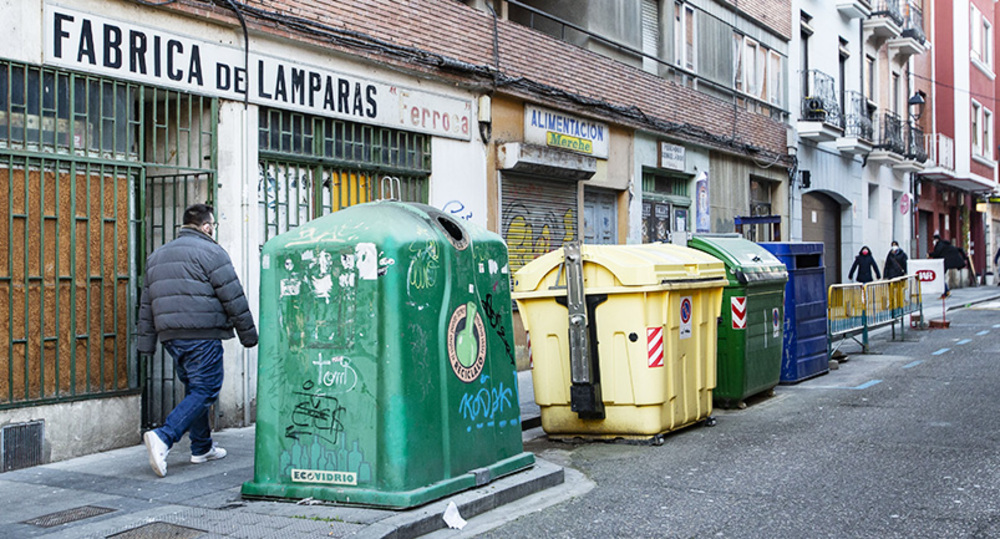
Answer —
(198, 364)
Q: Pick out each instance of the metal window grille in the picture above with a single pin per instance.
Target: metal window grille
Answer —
(94, 173)
(312, 166)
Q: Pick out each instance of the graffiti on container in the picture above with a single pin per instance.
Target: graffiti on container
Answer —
(495, 318)
(531, 233)
(423, 265)
(319, 266)
(336, 373)
(316, 414)
(457, 209)
(418, 350)
(291, 285)
(483, 407)
(308, 453)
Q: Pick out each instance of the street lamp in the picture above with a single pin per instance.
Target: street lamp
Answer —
(916, 102)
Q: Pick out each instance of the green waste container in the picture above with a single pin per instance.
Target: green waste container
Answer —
(386, 373)
(751, 326)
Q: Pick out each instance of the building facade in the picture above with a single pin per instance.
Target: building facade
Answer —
(958, 78)
(857, 145)
(610, 123)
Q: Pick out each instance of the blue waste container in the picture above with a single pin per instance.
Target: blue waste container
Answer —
(805, 350)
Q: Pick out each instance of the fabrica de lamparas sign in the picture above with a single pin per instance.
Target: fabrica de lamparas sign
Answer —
(95, 44)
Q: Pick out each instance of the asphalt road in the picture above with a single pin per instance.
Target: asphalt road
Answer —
(902, 443)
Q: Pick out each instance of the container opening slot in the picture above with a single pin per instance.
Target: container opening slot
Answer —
(807, 261)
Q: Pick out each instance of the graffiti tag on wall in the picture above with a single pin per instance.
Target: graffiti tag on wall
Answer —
(532, 233)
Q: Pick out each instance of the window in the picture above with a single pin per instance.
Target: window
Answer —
(895, 97)
(776, 83)
(869, 78)
(981, 38)
(987, 134)
(650, 34)
(684, 36)
(758, 70)
(977, 128)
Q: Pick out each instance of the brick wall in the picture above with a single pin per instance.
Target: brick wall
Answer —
(393, 31)
(774, 14)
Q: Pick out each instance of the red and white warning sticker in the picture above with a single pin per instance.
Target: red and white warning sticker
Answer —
(654, 344)
(739, 312)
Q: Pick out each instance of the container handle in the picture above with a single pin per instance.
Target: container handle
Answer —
(392, 185)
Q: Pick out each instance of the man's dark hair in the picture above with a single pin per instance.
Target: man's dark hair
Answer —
(198, 214)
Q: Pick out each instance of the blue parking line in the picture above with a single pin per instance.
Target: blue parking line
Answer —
(964, 341)
(983, 332)
(913, 364)
(996, 326)
(941, 351)
(867, 384)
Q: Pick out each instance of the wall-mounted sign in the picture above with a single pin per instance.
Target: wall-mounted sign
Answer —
(96, 44)
(904, 203)
(671, 156)
(558, 130)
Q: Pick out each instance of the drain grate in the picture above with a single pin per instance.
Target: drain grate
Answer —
(159, 530)
(70, 515)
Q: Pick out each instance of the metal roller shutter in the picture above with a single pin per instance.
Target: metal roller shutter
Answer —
(538, 216)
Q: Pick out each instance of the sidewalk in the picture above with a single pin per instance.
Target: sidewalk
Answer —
(116, 494)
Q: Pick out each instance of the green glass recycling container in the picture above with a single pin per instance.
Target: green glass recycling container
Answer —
(386, 371)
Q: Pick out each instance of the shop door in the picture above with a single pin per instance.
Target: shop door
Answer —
(600, 218)
(538, 215)
(821, 223)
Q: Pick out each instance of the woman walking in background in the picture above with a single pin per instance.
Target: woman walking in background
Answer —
(864, 264)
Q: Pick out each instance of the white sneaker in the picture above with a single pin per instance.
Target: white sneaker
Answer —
(157, 450)
(215, 453)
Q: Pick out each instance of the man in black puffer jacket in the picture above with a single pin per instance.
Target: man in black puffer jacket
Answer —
(191, 301)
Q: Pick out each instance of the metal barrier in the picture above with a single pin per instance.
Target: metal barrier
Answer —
(845, 309)
(854, 309)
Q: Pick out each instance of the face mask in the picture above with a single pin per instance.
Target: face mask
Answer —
(865, 252)
(895, 248)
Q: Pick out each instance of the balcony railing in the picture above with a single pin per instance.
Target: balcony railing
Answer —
(913, 24)
(890, 133)
(819, 101)
(888, 9)
(915, 149)
(858, 120)
(940, 150)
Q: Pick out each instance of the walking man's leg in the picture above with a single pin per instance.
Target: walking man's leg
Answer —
(199, 366)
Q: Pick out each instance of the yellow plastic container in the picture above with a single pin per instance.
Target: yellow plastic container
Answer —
(655, 293)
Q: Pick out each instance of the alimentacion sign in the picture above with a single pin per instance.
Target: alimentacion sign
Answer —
(96, 44)
(559, 130)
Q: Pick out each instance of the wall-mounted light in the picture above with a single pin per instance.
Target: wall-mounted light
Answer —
(485, 118)
(916, 104)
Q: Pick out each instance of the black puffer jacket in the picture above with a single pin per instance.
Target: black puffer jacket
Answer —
(192, 292)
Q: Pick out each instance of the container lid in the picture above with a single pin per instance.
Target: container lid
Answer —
(793, 247)
(606, 267)
(747, 261)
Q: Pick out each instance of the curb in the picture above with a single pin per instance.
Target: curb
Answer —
(471, 503)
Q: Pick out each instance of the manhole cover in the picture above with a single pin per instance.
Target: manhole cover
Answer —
(69, 515)
(159, 530)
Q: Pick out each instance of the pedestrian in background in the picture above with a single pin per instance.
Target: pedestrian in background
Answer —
(996, 266)
(865, 265)
(895, 262)
(953, 260)
(192, 300)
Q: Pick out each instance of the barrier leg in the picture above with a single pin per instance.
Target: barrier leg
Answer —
(864, 333)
